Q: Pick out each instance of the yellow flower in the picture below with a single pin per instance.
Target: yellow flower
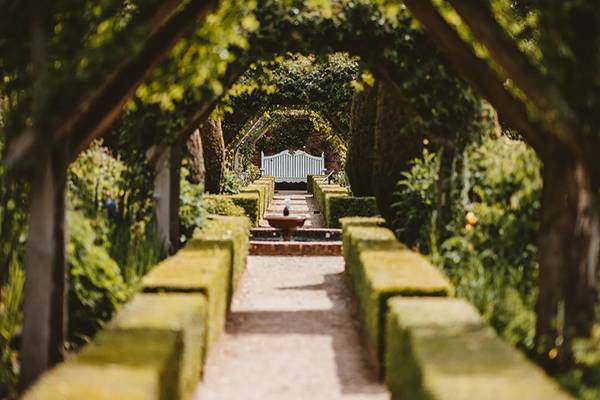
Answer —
(470, 218)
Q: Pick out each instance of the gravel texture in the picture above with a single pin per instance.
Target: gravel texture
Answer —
(292, 334)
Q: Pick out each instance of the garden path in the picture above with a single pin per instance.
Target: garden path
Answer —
(302, 203)
(292, 334)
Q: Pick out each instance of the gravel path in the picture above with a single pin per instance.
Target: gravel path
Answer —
(292, 334)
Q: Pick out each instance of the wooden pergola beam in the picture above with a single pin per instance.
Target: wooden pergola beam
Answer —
(558, 117)
(95, 112)
(478, 73)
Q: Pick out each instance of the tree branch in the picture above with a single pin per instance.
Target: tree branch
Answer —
(479, 74)
(558, 117)
(96, 111)
(202, 112)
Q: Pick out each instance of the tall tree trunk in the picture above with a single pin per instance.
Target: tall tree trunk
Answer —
(44, 316)
(359, 164)
(195, 158)
(213, 148)
(568, 252)
(396, 144)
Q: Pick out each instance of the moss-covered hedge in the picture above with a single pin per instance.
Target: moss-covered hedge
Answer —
(384, 273)
(338, 207)
(220, 205)
(335, 202)
(311, 180)
(152, 350)
(261, 191)
(155, 346)
(441, 349)
(354, 237)
(234, 232)
(250, 202)
(203, 270)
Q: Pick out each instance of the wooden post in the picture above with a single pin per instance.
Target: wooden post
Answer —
(44, 322)
(162, 199)
(174, 193)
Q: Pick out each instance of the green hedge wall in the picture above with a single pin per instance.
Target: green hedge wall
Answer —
(155, 346)
(250, 202)
(335, 202)
(338, 207)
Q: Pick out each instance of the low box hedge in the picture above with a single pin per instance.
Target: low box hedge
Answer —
(356, 237)
(227, 229)
(441, 349)
(337, 207)
(361, 221)
(261, 191)
(172, 312)
(250, 202)
(131, 364)
(221, 205)
(384, 273)
(198, 268)
(311, 181)
(271, 182)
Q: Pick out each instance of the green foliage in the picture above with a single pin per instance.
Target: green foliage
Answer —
(349, 206)
(250, 202)
(96, 284)
(221, 205)
(415, 201)
(10, 320)
(491, 254)
(231, 183)
(191, 214)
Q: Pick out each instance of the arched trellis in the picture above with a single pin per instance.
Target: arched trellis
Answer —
(81, 124)
(101, 106)
(257, 126)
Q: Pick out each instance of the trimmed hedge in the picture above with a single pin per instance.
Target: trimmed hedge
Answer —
(131, 364)
(311, 181)
(250, 202)
(233, 233)
(355, 237)
(261, 191)
(270, 182)
(441, 349)
(220, 205)
(338, 207)
(391, 272)
(361, 221)
(155, 346)
(335, 202)
(182, 313)
(76, 381)
(197, 269)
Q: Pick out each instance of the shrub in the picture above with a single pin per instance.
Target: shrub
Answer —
(231, 181)
(490, 255)
(250, 202)
(349, 206)
(191, 214)
(221, 205)
(414, 202)
(96, 285)
(10, 319)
